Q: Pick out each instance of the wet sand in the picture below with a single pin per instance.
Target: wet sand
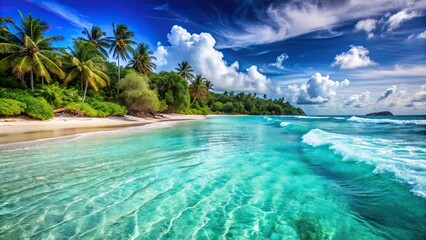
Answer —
(20, 129)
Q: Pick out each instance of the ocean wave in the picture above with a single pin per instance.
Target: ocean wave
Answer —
(310, 117)
(283, 124)
(396, 157)
(386, 121)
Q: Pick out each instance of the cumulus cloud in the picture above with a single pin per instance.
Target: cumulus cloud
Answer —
(356, 57)
(358, 100)
(387, 93)
(395, 20)
(279, 62)
(420, 96)
(367, 25)
(199, 50)
(319, 89)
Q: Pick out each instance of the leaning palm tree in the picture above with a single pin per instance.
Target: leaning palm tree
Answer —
(28, 51)
(198, 89)
(185, 70)
(97, 37)
(121, 46)
(209, 84)
(142, 60)
(86, 62)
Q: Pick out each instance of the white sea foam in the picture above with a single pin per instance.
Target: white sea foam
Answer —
(283, 124)
(310, 117)
(339, 118)
(406, 163)
(386, 120)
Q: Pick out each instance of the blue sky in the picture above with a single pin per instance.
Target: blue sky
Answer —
(328, 57)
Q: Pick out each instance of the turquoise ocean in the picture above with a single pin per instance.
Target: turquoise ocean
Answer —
(249, 177)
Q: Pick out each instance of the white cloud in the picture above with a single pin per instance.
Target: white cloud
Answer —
(387, 93)
(420, 96)
(199, 50)
(356, 57)
(418, 101)
(65, 12)
(319, 89)
(284, 20)
(358, 100)
(279, 62)
(367, 25)
(411, 73)
(421, 35)
(398, 18)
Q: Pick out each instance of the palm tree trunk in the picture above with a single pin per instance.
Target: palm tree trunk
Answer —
(118, 79)
(193, 101)
(85, 90)
(42, 80)
(32, 80)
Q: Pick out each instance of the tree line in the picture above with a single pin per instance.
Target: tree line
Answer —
(31, 65)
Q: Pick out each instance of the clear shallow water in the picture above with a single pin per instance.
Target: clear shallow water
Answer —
(222, 178)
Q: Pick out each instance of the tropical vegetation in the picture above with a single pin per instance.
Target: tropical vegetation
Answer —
(39, 80)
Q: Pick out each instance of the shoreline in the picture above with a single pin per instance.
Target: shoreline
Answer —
(15, 130)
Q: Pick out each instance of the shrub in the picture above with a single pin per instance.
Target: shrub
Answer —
(136, 94)
(10, 107)
(96, 109)
(35, 107)
(84, 109)
(38, 108)
(172, 89)
(217, 107)
(228, 107)
(56, 95)
(109, 108)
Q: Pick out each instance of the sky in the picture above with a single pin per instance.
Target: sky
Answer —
(340, 57)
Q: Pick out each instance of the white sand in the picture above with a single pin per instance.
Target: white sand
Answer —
(18, 129)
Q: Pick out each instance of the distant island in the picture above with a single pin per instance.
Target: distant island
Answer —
(384, 113)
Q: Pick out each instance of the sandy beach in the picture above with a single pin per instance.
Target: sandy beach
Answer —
(20, 129)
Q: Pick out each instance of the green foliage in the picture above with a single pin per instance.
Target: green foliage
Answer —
(217, 107)
(108, 108)
(10, 107)
(84, 109)
(7, 80)
(136, 95)
(96, 109)
(228, 107)
(56, 95)
(172, 89)
(242, 103)
(35, 107)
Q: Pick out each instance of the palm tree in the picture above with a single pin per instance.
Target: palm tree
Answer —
(4, 20)
(121, 45)
(198, 89)
(97, 37)
(86, 62)
(142, 60)
(29, 51)
(209, 84)
(185, 70)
